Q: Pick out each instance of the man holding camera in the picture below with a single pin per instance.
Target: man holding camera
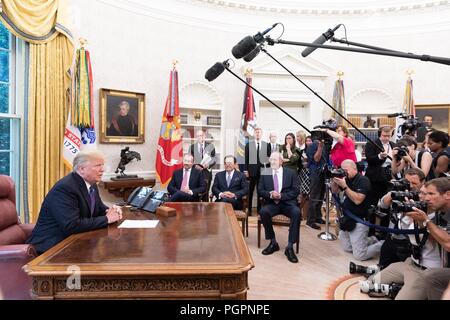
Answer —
(413, 272)
(438, 198)
(397, 247)
(353, 190)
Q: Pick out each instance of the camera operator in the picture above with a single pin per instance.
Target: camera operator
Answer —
(344, 148)
(410, 158)
(438, 199)
(354, 236)
(396, 247)
(412, 273)
(317, 155)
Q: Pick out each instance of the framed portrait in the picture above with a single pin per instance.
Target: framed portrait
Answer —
(122, 116)
(439, 112)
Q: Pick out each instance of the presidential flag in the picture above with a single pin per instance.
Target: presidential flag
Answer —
(80, 132)
(169, 150)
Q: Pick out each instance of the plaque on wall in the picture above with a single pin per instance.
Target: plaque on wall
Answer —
(183, 119)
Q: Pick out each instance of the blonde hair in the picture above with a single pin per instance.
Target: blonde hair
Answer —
(84, 157)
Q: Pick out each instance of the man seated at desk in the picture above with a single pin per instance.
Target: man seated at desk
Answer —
(73, 205)
(186, 184)
(230, 185)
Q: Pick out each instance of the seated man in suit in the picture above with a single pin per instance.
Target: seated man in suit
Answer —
(186, 183)
(73, 205)
(230, 185)
(279, 188)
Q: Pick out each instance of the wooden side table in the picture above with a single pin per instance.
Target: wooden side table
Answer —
(124, 188)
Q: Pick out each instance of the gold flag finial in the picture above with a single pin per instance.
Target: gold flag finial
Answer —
(340, 74)
(409, 72)
(248, 72)
(83, 42)
(174, 63)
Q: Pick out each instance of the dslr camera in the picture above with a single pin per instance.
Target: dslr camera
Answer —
(338, 173)
(402, 151)
(366, 271)
(379, 289)
(400, 185)
(401, 207)
(401, 195)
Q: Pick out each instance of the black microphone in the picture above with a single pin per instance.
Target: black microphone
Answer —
(246, 45)
(216, 70)
(327, 35)
(249, 57)
(393, 115)
(321, 126)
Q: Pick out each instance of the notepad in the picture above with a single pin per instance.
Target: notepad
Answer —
(139, 224)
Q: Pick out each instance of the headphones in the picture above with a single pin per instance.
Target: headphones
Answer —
(383, 128)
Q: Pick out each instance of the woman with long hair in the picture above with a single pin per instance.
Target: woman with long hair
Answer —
(290, 152)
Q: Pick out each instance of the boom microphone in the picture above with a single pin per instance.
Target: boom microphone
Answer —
(216, 70)
(393, 115)
(327, 35)
(249, 57)
(246, 45)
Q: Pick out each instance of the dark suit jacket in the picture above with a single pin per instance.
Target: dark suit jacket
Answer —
(251, 164)
(196, 182)
(66, 211)
(238, 184)
(289, 190)
(209, 150)
(374, 171)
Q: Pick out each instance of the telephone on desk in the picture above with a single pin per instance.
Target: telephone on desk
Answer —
(147, 199)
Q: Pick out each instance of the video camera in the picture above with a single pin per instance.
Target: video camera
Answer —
(410, 125)
(330, 124)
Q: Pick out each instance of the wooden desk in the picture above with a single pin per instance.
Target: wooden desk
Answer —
(123, 188)
(198, 254)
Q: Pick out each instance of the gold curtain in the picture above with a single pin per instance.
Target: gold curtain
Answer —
(48, 82)
(42, 24)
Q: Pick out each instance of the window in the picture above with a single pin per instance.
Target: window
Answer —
(12, 90)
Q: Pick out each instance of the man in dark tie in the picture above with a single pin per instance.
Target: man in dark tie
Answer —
(257, 153)
(186, 183)
(204, 155)
(280, 188)
(73, 205)
(230, 185)
(274, 146)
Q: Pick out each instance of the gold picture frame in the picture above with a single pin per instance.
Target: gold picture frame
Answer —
(122, 116)
(439, 112)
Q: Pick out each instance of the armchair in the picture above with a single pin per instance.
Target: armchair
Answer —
(14, 253)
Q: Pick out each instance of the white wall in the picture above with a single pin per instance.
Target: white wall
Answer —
(133, 43)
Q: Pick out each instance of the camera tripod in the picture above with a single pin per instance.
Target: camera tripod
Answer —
(327, 235)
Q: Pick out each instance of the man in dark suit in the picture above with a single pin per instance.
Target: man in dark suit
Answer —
(379, 164)
(280, 188)
(204, 155)
(73, 205)
(230, 185)
(186, 183)
(257, 153)
(274, 145)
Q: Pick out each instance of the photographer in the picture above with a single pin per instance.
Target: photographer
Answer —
(396, 247)
(354, 236)
(344, 148)
(406, 156)
(412, 273)
(438, 198)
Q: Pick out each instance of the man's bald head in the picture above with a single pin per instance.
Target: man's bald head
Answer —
(349, 166)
